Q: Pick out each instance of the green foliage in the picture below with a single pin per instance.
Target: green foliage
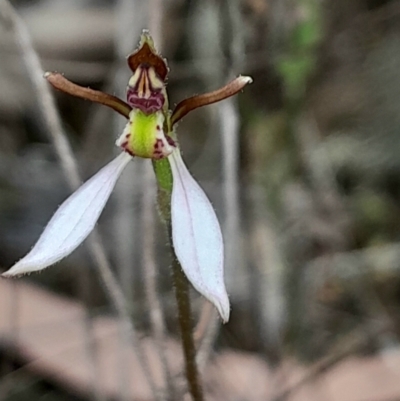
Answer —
(298, 60)
(295, 71)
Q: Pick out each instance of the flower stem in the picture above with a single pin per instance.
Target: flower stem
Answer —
(163, 174)
(181, 285)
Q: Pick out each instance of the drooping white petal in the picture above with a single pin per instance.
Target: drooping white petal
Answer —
(197, 237)
(73, 221)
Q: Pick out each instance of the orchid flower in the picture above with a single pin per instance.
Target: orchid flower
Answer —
(149, 133)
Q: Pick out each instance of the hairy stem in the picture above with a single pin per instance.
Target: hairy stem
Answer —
(164, 177)
(181, 285)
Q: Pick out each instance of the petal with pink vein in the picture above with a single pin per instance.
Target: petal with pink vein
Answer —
(196, 236)
(73, 221)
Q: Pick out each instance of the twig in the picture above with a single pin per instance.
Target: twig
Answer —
(13, 318)
(229, 131)
(70, 169)
(205, 334)
(228, 124)
(93, 356)
(155, 10)
(228, 121)
(46, 101)
(201, 327)
(349, 266)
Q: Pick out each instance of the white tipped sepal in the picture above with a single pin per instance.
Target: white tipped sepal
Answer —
(73, 221)
(197, 236)
(245, 80)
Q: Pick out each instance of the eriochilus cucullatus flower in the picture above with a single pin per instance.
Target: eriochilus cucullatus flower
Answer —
(149, 133)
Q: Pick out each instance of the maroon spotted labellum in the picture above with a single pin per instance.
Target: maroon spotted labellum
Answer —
(142, 93)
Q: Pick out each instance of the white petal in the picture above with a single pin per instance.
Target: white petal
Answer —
(73, 221)
(197, 237)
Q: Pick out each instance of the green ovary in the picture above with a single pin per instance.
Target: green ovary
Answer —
(143, 132)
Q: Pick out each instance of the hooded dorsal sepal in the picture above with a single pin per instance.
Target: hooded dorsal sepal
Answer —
(147, 54)
(146, 88)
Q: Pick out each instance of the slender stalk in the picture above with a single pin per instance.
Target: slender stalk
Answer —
(163, 174)
(45, 99)
(156, 315)
(181, 285)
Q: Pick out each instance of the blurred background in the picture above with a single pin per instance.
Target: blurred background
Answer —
(303, 169)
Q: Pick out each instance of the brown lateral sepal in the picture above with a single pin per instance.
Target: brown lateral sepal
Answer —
(187, 105)
(63, 84)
